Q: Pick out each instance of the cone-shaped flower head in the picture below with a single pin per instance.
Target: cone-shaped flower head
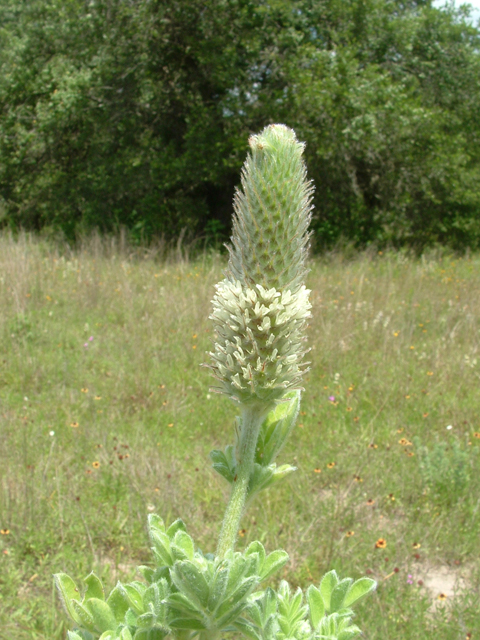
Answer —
(260, 309)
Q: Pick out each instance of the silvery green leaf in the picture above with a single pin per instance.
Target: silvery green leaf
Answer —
(146, 620)
(161, 547)
(131, 618)
(178, 525)
(190, 581)
(146, 572)
(94, 588)
(108, 635)
(222, 466)
(260, 478)
(316, 605)
(218, 587)
(190, 624)
(256, 547)
(327, 585)
(277, 428)
(155, 523)
(182, 603)
(125, 634)
(338, 594)
(118, 602)
(273, 562)
(248, 629)
(238, 597)
(73, 635)
(134, 593)
(68, 592)
(81, 613)
(182, 546)
(350, 632)
(103, 618)
(359, 589)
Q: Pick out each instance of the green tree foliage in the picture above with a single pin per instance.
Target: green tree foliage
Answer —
(135, 113)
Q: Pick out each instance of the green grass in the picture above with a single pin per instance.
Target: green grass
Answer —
(395, 344)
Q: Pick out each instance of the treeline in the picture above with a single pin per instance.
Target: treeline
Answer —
(136, 113)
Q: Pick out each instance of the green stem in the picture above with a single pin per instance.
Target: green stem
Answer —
(252, 418)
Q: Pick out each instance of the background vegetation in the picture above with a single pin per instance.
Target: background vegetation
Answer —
(105, 416)
(137, 114)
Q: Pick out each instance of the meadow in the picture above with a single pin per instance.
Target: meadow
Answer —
(106, 416)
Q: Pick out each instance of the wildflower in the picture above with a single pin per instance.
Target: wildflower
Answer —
(476, 434)
(170, 424)
(4, 532)
(356, 419)
(358, 479)
(317, 470)
(404, 442)
(416, 545)
(51, 433)
(260, 309)
(84, 390)
(391, 496)
(96, 464)
(349, 534)
(410, 454)
(370, 501)
(98, 397)
(349, 408)
(409, 579)
(373, 446)
(442, 596)
(74, 424)
(330, 465)
(242, 532)
(331, 398)
(381, 543)
(425, 414)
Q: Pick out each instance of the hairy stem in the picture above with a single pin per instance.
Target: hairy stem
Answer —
(252, 418)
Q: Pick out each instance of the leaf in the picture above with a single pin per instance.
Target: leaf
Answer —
(183, 542)
(155, 523)
(316, 605)
(218, 587)
(178, 525)
(118, 602)
(338, 594)
(349, 633)
(273, 562)
(72, 635)
(125, 634)
(84, 616)
(327, 585)
(190, 581)
(161, 545)
(277, 428)
(103, 618)
(359, 589)
(192, 624)
(94, 588)
(221, 466)
(68, 591)
(135, 597)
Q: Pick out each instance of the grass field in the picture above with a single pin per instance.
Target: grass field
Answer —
(106, 416)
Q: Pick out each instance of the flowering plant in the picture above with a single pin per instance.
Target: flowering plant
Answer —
(259, 315)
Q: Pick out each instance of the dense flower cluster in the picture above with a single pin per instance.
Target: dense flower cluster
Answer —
(259, 341)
